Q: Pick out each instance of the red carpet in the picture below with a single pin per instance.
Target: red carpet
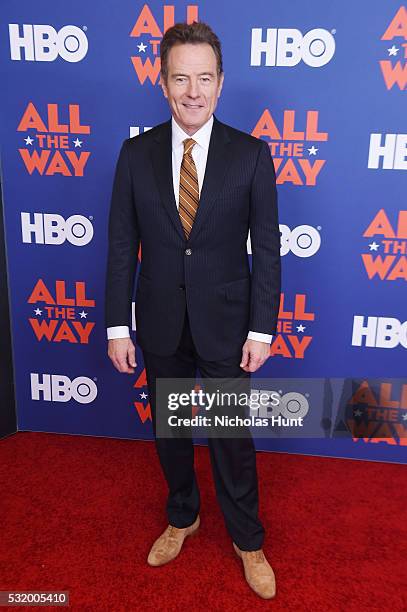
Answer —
(80, 514)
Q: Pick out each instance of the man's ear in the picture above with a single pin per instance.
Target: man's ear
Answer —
(163, 86)
(221, 79)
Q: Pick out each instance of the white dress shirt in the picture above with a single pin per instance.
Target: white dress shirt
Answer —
(199, 154)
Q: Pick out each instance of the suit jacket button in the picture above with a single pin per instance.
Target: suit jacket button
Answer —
(182, 287)
(188, 252)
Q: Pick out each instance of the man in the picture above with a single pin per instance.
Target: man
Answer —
(188, 191)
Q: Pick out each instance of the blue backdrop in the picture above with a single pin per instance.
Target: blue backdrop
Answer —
(324, 84)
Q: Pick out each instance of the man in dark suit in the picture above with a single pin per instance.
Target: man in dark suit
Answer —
(189, 190)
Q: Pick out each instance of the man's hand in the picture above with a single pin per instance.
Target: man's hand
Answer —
(254, 354)
(122, 352)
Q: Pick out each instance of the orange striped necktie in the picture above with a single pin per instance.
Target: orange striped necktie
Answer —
(188, 188)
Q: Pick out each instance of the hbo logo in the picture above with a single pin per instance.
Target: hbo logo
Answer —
(58, 388)
(380, 332)
(291, 405)
(42, 43)
(54, 229)
(287, 47)
(303, 241)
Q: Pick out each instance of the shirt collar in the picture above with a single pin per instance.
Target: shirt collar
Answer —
(201, 136)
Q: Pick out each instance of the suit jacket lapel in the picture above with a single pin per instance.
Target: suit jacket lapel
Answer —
(217, 162)
(162, 164)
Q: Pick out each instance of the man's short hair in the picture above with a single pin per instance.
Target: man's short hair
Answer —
(192, 33)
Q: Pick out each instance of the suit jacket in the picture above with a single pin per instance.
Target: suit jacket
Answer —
(208, 274)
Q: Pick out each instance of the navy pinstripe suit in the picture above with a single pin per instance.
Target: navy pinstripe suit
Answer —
(213, 282)
(195, 298)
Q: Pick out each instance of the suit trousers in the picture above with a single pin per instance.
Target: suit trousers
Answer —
(233, 460)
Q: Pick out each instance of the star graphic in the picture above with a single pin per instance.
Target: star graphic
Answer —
(77, 142)
(313, 150)
(404, 417)
(393, 50)
(374, 246)
(38, 311)
(300, 328)
(83, 314)
(143, 395)
(358, 412)
(142, 47)
(28, 140)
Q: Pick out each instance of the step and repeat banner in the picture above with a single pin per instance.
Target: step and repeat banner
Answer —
(324, 84)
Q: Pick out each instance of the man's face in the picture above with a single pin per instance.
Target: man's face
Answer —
(193, 86)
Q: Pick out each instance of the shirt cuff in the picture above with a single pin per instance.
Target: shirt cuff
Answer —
(118, 331)
(260, 337)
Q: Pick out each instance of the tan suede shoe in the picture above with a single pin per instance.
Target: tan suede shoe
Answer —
(169, 544)
(258, 572)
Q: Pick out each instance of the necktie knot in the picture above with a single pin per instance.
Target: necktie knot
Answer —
(188, 144)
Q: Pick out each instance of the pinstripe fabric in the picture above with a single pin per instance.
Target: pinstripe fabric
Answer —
(188, 188)
(209, 274)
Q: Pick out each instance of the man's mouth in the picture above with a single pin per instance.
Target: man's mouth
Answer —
(192, 105)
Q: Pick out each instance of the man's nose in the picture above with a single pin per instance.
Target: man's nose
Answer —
(193, 89)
